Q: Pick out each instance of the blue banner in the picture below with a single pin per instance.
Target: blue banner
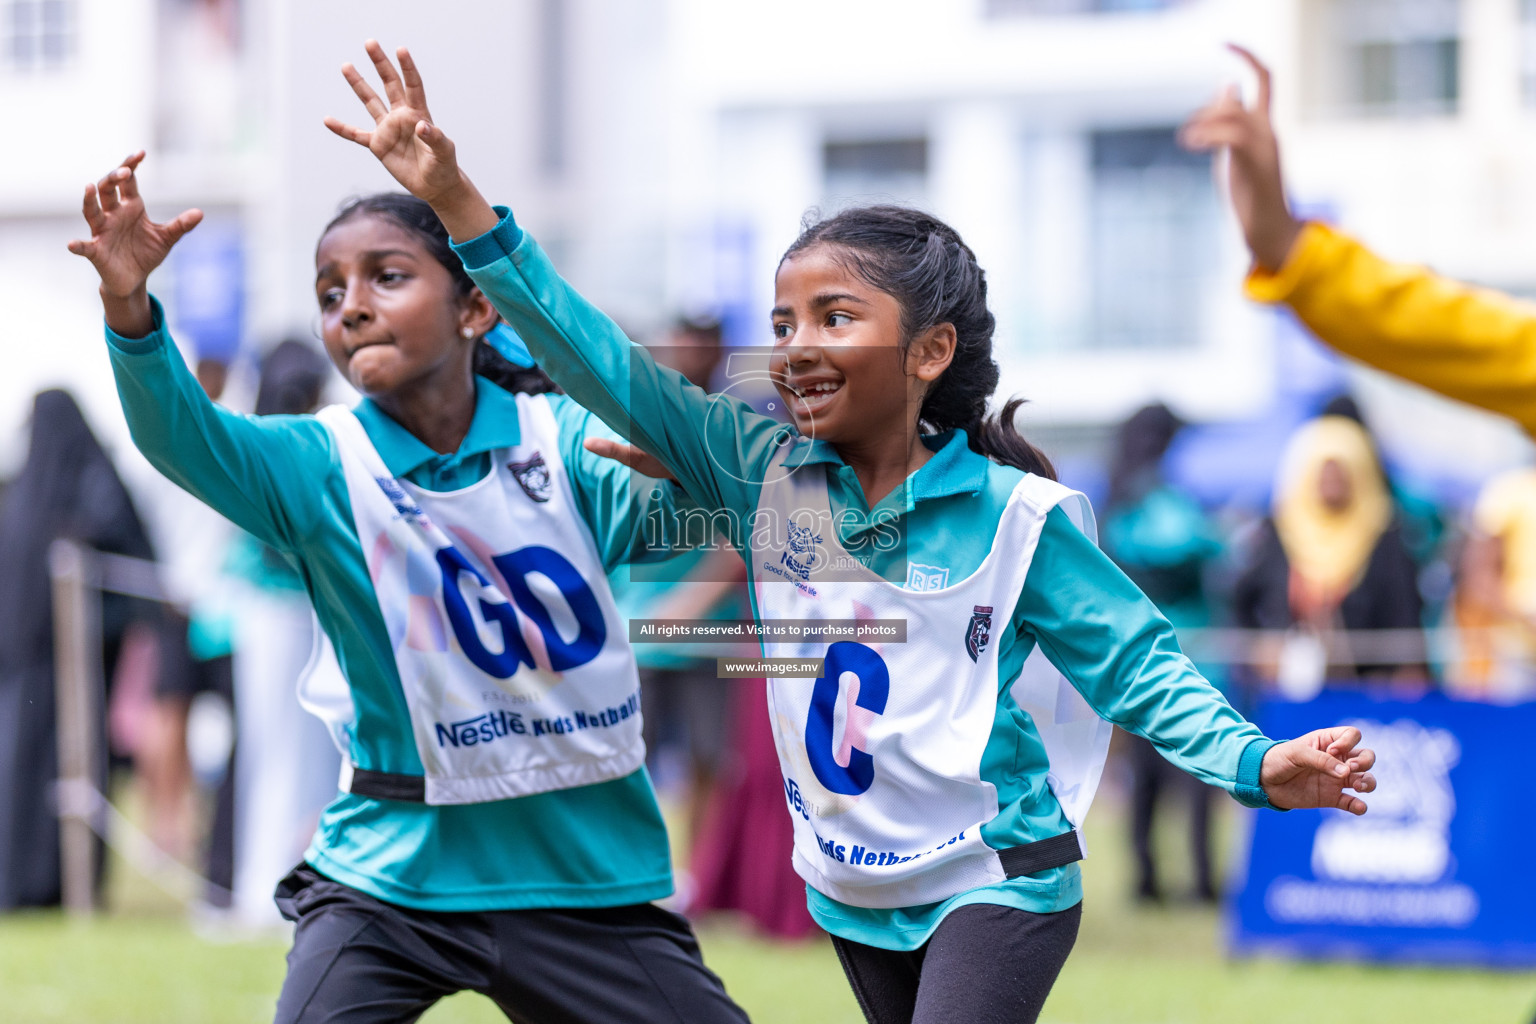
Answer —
(210, 290)
(1439, 870)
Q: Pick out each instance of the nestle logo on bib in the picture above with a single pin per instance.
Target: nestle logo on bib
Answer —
(495, 725)
(800, 559)
(484, 728)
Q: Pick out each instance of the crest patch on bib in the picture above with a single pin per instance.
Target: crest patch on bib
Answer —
(532, 476)
(979, 632)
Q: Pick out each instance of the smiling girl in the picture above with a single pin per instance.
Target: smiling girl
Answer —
(496, 831)
(935, 783)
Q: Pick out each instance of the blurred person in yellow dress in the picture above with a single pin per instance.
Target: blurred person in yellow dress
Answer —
(1330, 558)
(1494, 608)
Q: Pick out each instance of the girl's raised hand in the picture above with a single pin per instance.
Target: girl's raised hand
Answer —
(1253, 171)
(413, 149)
(125, 245)
(405, 140)
(1318, 770)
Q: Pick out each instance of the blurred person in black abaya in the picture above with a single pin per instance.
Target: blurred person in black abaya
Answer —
(67, 489)
(1161, 538)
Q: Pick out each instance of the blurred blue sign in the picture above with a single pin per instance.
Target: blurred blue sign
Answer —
(731, 258)
(1439, 870)
(210, 290)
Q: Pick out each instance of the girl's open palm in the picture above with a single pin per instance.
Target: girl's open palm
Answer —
(404, 139)
(1319, 770)
(125, 245)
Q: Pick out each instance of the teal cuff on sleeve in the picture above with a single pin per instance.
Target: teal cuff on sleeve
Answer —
(141, 346)
(1247, 790)
(500, 241)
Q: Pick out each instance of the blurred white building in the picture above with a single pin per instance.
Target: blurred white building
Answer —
(1044, 131)
(665, 151)
(548, 100)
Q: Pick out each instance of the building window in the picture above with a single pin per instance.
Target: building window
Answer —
(1013, 8)
(1153, 217)
(37, 33)
(199, 103)
(882, 170)
(1528, 51)
(554, 91)
(1398, 57)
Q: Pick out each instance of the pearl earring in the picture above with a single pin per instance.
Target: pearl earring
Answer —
(468, 332)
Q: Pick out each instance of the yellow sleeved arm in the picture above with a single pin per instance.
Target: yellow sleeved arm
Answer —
(1471, 344)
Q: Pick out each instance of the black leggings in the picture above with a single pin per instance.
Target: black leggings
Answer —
(357, 960)
(984, 964)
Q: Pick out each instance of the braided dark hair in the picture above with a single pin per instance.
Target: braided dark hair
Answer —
(922, 263)
(416, 216)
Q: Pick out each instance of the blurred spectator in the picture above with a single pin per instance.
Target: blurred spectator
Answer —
(741, 860)
(685, 708)
(1494, 608)
(1422, 522)
(1164, 542)
(194, 667)
(286, 766)
(199, 76)
(1330, 557)
(739, 838)
(67, 488)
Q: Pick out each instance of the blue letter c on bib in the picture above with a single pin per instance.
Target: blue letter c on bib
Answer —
(874, 690)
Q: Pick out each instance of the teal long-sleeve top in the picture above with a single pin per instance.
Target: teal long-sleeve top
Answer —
(280, 479)
(1076, 605)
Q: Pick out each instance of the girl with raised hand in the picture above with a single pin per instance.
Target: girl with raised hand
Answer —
(1472, 344)
(496, 830)
(936, 784)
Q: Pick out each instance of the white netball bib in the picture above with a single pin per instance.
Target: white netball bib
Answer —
(882, 754)
(515, 667)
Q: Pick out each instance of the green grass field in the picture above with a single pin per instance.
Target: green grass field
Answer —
(143, 964)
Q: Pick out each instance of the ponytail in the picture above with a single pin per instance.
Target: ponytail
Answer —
(922, 263)
(999, 440)
(507, 375)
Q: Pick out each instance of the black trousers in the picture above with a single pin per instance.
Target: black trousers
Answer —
(356, 959)
(984, 964)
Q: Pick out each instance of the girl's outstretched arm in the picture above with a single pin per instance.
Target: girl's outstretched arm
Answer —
(1471, 344)
(717, 447)
(1122, 655)
(257, 472)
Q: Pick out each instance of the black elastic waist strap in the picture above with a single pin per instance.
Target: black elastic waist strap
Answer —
(1040, 855)
(393, 786)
